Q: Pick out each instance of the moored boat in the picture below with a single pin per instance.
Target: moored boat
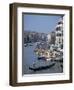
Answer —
(40, 65)
(25, 45)
(41, 58)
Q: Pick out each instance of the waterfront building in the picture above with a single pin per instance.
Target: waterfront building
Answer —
(53, 37)
(49, 38)
(59, 32)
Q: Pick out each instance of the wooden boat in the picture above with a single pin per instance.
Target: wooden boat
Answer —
(41, 58)
(41, 67)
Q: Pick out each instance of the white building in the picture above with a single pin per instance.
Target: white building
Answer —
(59, 32)
(49, 38)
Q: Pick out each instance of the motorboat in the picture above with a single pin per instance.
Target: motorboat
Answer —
(25, 45)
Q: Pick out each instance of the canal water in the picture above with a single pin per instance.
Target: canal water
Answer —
(30, 57)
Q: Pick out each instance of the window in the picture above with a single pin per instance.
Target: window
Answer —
(60, 22)
(58, 34)
(58, 28)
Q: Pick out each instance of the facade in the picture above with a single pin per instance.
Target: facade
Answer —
(49, 38)
(53, 38)
(59, 32)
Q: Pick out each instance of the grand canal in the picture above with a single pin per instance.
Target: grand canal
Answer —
(30, 57)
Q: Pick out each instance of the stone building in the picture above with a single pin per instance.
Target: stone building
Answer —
(59, 32)
(51, 38)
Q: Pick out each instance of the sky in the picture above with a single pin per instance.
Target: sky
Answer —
(40, 23)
